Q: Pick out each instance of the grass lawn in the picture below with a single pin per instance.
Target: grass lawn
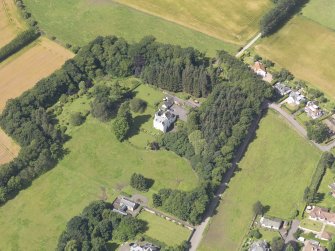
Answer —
(226, 20)
(312, 225)
(163, 230)
(304, 48)
(330, 229)
(302, 118)
(326, 199)
(275, 170)
(79, 21)
(321, 11)
(268, 235)
(95, 162)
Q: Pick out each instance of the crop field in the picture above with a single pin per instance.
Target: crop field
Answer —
(276, 161)
(96, 165)
(79, 21)
(321, 11)
(23, 70)
(10, 22)
(231, 21)
(8, 148)
(163, 230)
(305, 48)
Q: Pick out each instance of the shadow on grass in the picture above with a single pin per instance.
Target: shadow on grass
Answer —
(112, 246)
(138, 121)
(150, 182)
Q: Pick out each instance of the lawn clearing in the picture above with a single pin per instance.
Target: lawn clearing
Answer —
(23, 70)
(10, 22)
(231, 21)
(304, 48)
(96, 163)
(275, 170)
(321, 11)
(79, 21)
(163, 230)
(311, 225)
(8, 149)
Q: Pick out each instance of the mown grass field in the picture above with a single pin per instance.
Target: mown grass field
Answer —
(24, 69)
(321, 11)
(305, 48)
(10, 22)
(275, 170)
(231, 21)
(79, 21)
(163, 230)
(96, 163)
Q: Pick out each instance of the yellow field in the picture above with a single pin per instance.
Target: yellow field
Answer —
(306, 49)
(10, 22)
(231, 21)
(22, 71)
(8, 148)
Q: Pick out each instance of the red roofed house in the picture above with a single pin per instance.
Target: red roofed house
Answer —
(323, 215)
(259, 69)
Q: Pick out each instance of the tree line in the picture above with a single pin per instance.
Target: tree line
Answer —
(20, 41)
(278, 15)
(326, 161)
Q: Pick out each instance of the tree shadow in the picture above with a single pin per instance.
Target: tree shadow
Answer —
(266, 209)
(150, 182)
(112, 246)
(319, 197)
(137, 122)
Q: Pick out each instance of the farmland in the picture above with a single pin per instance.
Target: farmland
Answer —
(95, 165)
(274, 161)
(23, 70)
(79, 21)
(322, 12)
(303, 47)
(10, 22)
(225, 20)
(165, 231)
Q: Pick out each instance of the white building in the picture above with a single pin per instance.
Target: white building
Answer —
(259, 69)
(296, 98)
(274, 224)
(313, 110)
(163, 120)
(145, 247)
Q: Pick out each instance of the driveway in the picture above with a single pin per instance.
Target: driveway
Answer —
(294, 228)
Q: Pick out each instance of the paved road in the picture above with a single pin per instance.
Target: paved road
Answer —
(299, 128)
(294, 228)
(197, 235)
(248, 45)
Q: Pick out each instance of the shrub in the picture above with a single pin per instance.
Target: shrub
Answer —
(255, 234)
(138, 182)
(76, 119)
